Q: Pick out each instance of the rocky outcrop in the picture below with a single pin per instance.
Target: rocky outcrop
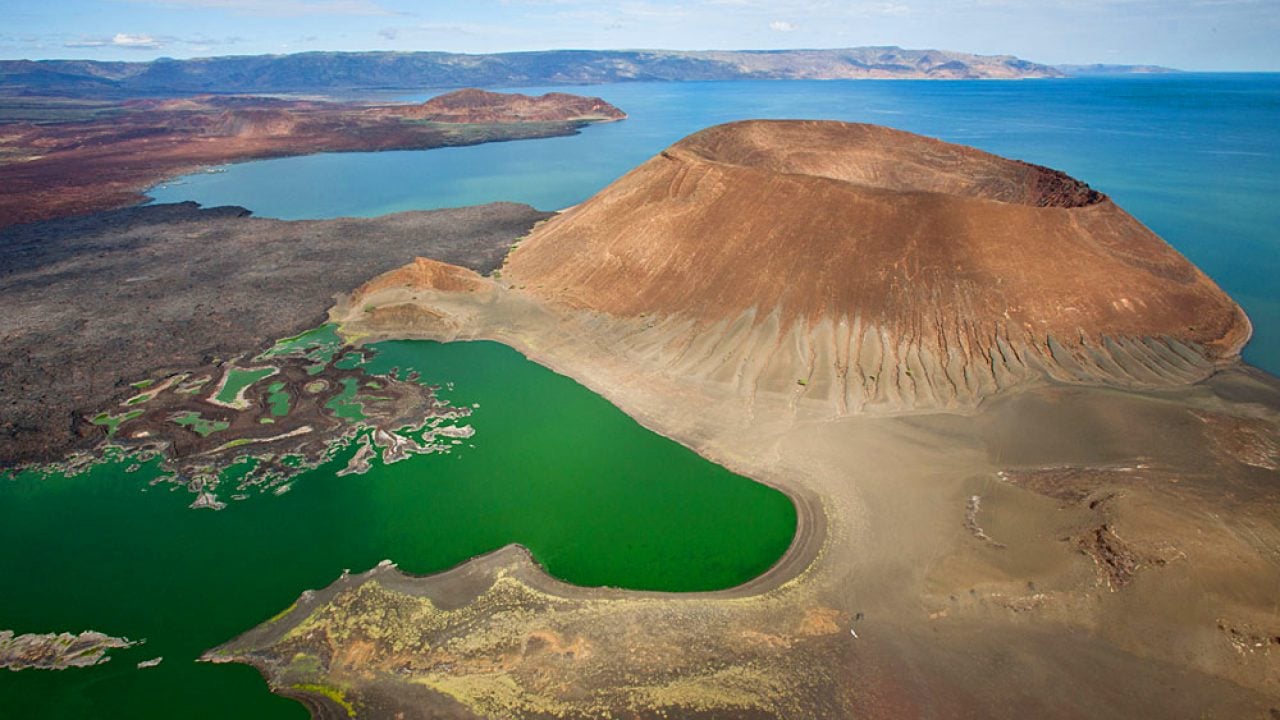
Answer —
(873, 269)
(57, 651)
(427, 274)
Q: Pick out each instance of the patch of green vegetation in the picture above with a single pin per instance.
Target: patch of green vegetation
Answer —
(344, 404)
(333, 694)
(318, 344)
(239, 379)
(142, 384)
(305, 664)
(280, 615)
(278, 398)
(238, 469)
(801, 382)
(198, 424)
(266, 421)
(112, 422)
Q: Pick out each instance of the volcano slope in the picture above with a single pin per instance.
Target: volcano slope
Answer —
(1033, 478)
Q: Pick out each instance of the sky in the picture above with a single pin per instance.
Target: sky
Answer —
(1187, 34)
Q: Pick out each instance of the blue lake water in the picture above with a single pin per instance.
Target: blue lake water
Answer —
(1194, 156)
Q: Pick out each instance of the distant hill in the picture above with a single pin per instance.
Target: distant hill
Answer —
(1102, 69)
(342, 71)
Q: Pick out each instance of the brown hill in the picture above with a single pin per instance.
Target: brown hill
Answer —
(872, 268)
(254, 124)
(427, 274)
(481, 106)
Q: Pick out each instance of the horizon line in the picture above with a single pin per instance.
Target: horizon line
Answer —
(167, 58)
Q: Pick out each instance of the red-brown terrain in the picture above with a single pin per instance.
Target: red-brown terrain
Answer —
(878, 267)
(52, 170)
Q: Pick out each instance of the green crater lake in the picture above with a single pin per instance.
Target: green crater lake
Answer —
(597, 498)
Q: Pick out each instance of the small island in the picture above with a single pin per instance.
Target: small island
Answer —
(58, 651)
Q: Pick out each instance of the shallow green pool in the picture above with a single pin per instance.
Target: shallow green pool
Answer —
(597, 498)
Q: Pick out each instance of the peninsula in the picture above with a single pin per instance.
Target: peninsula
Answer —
(1032, 476)
(54, 169)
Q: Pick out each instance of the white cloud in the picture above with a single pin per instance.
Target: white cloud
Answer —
(142, 41)
(120, 40)
(781, 26)
(278, 8)
(134, 41)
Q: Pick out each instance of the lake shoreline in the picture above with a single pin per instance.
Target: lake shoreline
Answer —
(940, 541)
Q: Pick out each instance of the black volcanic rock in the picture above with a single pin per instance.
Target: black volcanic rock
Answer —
(97, 301)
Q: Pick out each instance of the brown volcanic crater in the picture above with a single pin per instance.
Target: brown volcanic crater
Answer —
(879, 157)
(870, 266)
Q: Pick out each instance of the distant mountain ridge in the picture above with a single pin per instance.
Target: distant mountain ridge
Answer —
(1107, 69)
(338, 71)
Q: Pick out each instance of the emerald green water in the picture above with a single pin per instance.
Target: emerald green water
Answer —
(598, 499)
